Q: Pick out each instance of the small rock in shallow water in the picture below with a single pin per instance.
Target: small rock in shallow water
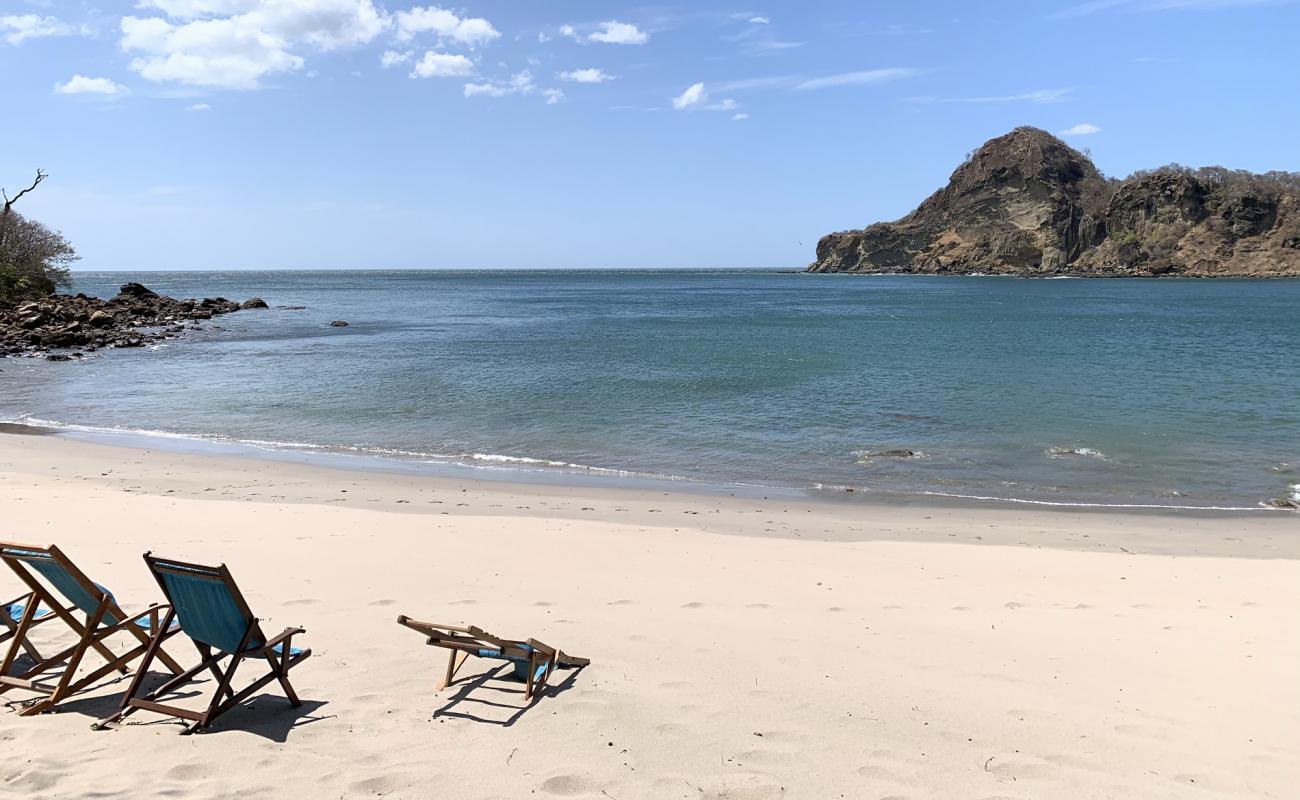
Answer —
(338, 323)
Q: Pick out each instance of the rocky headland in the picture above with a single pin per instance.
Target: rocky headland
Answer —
(80, 324)
(1028, 204)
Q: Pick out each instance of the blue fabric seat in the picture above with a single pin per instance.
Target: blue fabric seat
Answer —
(16, 610)
(519, 664)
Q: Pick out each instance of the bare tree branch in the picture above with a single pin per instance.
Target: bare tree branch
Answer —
(40, 176)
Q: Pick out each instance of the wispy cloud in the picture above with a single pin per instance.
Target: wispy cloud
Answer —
(1096, 6)
(866, 77)
(1082, 129)
(805, 82)
(519, 83)
(18, 28)
(592, 75)
(1036, 96)
(692, 97)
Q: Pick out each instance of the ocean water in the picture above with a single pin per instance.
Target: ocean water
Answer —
(1113, 392)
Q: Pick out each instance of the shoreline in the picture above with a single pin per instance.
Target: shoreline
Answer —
(198, 472)
(545, 472)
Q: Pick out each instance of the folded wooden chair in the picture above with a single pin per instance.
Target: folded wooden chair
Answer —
(532, 660)
(213, 614)
(104, 619)
(11, 614)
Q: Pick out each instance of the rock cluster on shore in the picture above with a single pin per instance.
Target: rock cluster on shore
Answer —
(1028, 204)
(135, 317)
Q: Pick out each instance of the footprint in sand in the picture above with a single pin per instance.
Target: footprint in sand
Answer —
(462, 602)
(621, 603)
(693, 604)
(758, 605)
(567, 785)
(543, 604)
(383, 602)
(186, 772)
(306, 601)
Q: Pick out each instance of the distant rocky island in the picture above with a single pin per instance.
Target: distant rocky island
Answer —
(1029, 204)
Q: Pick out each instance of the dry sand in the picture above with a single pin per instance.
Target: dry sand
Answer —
(741, 648)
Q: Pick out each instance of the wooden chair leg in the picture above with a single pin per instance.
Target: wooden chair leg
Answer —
(20, 635)
(70, 669)
(455, 661)
(281, 670)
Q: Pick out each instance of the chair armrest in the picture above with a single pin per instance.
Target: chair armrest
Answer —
(283, 637)
(154, 608)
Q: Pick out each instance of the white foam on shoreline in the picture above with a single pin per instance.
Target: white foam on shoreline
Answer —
(488, 461)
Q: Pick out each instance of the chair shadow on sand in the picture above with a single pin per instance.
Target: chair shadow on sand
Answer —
(267, 715)
(498, 680)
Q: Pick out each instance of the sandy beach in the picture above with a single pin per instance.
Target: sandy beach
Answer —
(740, 647)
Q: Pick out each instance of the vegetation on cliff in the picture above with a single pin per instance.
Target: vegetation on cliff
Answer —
(1028, 204)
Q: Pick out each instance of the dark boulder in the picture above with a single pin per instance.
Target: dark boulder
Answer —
(136, 291)
(339, 323)
(253, 302)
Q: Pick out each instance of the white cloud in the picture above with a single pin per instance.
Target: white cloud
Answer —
(442, 65)
(1036, 96)
(234, 44)
(570, 32)
(542, 37)
(760, 21)
(392, 58)
(519, 83)
(553, 96)
(1082, 129)
(199, 107)
(619, 33)
(592, 75)
(693, 96)
(21, 27)
(862, 78)
(741, 117)
(80, 84)
(445, 24)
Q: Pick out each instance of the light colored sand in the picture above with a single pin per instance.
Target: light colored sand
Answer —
(831, 650)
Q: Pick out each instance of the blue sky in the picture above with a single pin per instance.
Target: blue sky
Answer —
(195, 134)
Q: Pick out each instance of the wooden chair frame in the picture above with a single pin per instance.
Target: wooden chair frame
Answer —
(464, 641)
(210, 657)
(11, 627)
(91, 634)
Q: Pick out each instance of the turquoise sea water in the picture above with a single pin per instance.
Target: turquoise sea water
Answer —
(1127, 392)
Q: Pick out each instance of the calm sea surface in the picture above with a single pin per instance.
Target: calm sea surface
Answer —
(1121, 392)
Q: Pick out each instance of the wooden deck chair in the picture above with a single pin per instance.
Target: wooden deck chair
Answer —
(532, 660)
(213, 614)
(104, 620)
(11, 614)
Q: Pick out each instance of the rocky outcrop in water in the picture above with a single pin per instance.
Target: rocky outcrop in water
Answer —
(134, 318)
(1028, 204)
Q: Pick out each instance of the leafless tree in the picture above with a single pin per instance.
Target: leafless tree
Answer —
(9, 203)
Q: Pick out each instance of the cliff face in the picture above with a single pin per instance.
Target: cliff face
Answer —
(1028, 204)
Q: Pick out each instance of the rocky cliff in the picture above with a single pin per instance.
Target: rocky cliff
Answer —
(1028, 204)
